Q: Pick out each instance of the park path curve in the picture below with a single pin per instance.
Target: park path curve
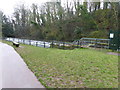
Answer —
(113, 53)
(15, 73)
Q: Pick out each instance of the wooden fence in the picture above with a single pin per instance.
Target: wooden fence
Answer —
(83, 42)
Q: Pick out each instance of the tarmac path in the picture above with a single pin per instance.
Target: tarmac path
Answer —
(113, 53)
(14, 73)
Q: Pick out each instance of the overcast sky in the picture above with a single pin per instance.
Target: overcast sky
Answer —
(7, 6)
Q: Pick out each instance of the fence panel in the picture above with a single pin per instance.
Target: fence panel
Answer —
(83, 42)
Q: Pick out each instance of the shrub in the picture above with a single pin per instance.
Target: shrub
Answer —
(98, 34)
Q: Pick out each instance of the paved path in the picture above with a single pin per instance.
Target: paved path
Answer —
(0, 69)
(15, 73)
(113, 53)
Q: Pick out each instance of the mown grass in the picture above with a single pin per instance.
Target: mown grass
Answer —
(71, 68)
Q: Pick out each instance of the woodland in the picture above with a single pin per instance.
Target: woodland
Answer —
(68, 22)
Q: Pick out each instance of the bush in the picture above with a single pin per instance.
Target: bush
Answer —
(98, 34)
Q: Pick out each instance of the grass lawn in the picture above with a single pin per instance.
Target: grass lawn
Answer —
(71, 68)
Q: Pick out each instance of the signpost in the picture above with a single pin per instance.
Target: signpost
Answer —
(114, 42)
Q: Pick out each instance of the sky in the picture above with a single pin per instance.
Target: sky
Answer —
(7, 6)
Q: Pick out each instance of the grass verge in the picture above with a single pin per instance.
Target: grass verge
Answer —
(76, 68)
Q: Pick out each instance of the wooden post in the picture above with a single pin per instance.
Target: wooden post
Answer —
(78, 44)
(58, 45)
(52, 44)
(36, 43)
(63, 45)
(96, 43)
(44, 44)
(13, 39)
(29, 42)
(23, 41)
(108, 44)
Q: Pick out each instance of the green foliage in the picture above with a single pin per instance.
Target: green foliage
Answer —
(98, 34)
(64, 23)
(34, 23)
(78, 33)
(7, 27)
